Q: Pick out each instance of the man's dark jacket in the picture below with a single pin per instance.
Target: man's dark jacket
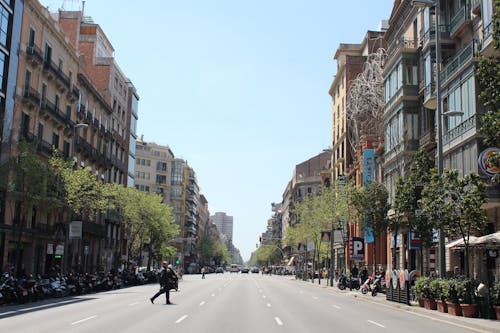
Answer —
(168, 279)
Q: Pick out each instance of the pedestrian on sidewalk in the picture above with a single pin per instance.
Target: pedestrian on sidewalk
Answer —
(203, 272)
(168, 280)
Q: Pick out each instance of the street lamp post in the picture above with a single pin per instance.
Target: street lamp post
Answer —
(439, 139)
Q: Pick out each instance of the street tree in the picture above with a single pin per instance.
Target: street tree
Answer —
(27, 185)
(455, 203)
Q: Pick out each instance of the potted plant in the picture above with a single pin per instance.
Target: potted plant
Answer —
(430, 294)
(495, 298)
(468, 302)
(441, 288)
(419, 289)
(452, 295)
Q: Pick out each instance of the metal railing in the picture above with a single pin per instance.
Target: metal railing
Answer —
(462, 128)
(459, 60)
(34, 53)
(462, 15)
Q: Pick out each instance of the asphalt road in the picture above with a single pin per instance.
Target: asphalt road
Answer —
(228, 303)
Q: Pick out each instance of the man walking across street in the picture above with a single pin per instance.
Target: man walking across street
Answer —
(168, 280)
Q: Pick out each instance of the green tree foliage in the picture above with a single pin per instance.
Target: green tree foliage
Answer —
(211, 250)
(456, 203)
(82, 193)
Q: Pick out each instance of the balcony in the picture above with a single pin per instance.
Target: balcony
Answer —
(401, 45)
(34, 55)
(429, 36)
(457, 62)
(50, 109)
(460, 21)
(45, 148)
(428, 140)
(31, 97)
(73, 94)
(53, 71)
(430, 96)
(467, 125)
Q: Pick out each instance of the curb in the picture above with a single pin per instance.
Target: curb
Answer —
(477, 324)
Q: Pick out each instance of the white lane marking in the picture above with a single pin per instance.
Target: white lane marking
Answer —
(375, 323)
(181, 319)
(336, 306)
(84, 319)
(316, 297)
(6, 313)
(202, 303)
(132, 304)
(212, 295)
(263, 296)
(268, 305)
(278, 321)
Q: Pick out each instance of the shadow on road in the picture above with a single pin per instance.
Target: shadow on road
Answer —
(15, 310)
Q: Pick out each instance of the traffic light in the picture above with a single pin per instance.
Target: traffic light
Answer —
(177, 262)
(260, 239)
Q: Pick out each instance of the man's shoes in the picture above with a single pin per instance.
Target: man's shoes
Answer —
(169, 302)
(152, 301)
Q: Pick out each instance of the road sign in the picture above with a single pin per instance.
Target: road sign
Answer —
(357, 248)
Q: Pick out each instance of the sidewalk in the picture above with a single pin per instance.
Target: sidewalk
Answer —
(480, 324)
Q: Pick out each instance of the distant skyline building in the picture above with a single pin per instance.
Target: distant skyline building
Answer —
(224, 224)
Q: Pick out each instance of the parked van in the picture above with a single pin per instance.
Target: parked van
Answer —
(234, 268)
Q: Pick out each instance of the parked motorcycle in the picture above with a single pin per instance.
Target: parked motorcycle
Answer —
(348, 282)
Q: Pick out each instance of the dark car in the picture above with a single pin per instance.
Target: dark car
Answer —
(254, 270)
(245, 270)
(219, 270)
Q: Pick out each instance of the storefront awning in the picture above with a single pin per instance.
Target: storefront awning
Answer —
(459, 242)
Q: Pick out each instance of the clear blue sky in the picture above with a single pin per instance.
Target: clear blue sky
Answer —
(237, 88)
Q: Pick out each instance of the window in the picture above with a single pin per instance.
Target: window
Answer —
(2, 71)
(161, 179)
(55, 140)
(25, 125)
(47, 54)
(60, 64)
(44, 92)
(40, 132)
(4, 25)
(161, 166)
(68, 112)
(31, 38)
(27, 81)
(66, 148)
(57, 102)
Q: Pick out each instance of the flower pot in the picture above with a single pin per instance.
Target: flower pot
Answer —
(421, 302)
(430, 304)
(497, 311)
(441, 306)
(469, 310)
(454, 309)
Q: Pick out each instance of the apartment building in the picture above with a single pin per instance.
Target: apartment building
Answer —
(10, 34)
(59, 105)
(410, 94)
(157, 170)
(100, 67)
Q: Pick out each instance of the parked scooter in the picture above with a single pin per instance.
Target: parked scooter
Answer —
(367, 285)
(378, 284)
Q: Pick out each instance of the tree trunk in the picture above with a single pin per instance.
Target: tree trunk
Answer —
(374, 255)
